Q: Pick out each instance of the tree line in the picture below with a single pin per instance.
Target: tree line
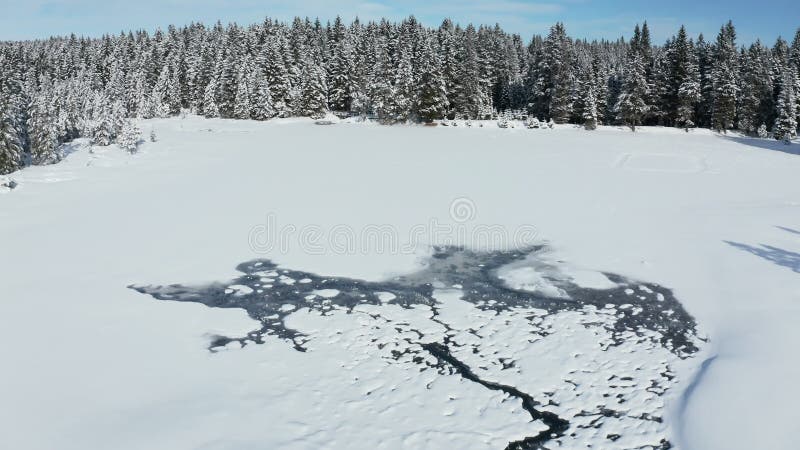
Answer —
(61, 88)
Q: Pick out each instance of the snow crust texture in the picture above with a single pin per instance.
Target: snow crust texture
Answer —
(592, 368)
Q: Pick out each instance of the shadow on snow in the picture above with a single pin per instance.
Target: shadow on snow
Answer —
(775, 255)
(768, 144)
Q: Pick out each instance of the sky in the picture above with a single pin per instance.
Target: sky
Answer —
(590, 19)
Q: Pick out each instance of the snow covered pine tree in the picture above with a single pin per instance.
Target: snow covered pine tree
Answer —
(130, 136)
(786, 123)
(631, 106)
(394, 71)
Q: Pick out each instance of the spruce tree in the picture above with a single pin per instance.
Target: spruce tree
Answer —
(432, 101)
(159, 100)
(786, 124)
(43, 133)
(601, 78)
(756, 104)
(688, 96)
(262, 106)
(141, 101)
(646, 47)
(313, 98)
(447, 50)
(703, 51)
(102, 134)
(340, 68)
(173, 97)
(227, 80)
(680, 57)
(15, 94)
(11, 151)
(590, 111)
(130, 136)
(794, 51)
(724, 80)
(588, 97)
(277, 73)
(556, 71)
(687, 74)
(404, 82)
(210, 108)
(652, 66)
(381, 91)
(469, 96)
(242, 106)
(631, 106)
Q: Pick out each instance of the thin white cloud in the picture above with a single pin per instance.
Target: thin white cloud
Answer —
(510, 7)
(41, 18)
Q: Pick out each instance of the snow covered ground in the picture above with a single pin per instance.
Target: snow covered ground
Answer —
(90, 363)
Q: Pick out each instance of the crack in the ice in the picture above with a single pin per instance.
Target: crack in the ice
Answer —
(556, 425)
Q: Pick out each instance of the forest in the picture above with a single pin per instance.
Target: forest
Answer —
(58, 89)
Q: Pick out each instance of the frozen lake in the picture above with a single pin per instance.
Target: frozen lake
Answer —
(437, 353)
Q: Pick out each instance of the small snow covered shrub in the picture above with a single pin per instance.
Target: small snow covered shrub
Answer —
(130, 136)
(8, 183)
(102, 135)
(589, 122)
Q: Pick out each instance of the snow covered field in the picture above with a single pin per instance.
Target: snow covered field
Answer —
(90, 363)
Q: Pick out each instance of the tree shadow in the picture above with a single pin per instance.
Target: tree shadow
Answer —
(775, 255)
(68, 148)
(769, 144)
(787, 229)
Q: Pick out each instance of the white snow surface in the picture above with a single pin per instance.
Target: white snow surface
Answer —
(545, 275)
(91, 364)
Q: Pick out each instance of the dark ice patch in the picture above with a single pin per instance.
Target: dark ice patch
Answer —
(652, 308)
(269, 293)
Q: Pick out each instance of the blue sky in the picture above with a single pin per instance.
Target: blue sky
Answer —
(24, 19)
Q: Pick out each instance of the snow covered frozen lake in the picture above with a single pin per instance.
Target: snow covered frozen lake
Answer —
(653, 253)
